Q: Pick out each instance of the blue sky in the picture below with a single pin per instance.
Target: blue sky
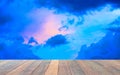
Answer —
(58, 29)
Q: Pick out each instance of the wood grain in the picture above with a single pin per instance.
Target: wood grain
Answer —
(53, 68)
(19, 69)
(41, 69)
(59, 67)
(64, 68)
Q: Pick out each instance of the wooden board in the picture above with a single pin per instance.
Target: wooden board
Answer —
(59, 67)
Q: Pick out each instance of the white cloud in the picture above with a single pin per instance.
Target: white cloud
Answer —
(91, 30)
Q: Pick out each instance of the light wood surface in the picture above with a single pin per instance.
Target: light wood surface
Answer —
(59, 67)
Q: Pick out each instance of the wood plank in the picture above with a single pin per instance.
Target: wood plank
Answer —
(87, 70)
(3, 62)
(53, 68)
(28, 70)
(97, 68)
(63, 68)
(19, 69)
(59, 67)
(41, 69)
(9, 66)
(75, 68)
(113, 67)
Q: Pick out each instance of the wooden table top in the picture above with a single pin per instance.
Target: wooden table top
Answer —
(59, 67)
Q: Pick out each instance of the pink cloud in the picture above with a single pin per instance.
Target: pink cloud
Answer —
(45, 24)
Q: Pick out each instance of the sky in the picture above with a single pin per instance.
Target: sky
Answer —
(59, 29)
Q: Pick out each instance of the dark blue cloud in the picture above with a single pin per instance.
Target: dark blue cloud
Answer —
(107, 48)
(13, 15)
(76, 6)
(114, 29)
(115, 25)
(56, 40)
(117, 21)
(13, 20)
(32, 40)
(4, 19)
(13, 48)
(115, 2)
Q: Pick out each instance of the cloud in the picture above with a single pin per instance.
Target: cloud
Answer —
(92, 30)
(4, 19)
(56, 40)
(104, 49)
(76, 6)
(115, 25)
(13, 17)
(13, 48)
(22, 19)
(13, 20)
(45, 24)
(116, 22)
(93, 24)
(63, 51)
(32, 40)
